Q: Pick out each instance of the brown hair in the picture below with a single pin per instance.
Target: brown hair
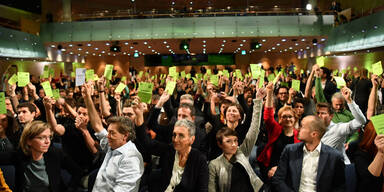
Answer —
(125, 125)
(30, 131)
(225, 132)
(241, 111)
(367, 142)
(325, 105)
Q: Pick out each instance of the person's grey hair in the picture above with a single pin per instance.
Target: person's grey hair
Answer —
(338, 95)
(187, 124)
(186, 96)
(125, 125)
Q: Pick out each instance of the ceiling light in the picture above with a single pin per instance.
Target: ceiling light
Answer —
(89, 45)
(107, 44)
(244, 40)
(296, 44)
(204, 41)
(70, 45)
(308, 7)
(278, 44)
(165, 42)
(283, 40)
(224, 41)
(145, 43)
(126, 43)
(263, 40)
(53, 46)
(63, 50)
(96, 48)
(79, 49)
(167, 46)
(302, 39)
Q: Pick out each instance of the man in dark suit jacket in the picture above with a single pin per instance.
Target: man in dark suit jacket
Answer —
(310, 165)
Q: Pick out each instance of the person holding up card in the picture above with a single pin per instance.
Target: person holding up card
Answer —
(337, 132)
(369, 160)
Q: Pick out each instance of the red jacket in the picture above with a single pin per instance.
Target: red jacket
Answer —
(274, 130)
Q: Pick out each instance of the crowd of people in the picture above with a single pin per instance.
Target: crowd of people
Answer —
(236, 134)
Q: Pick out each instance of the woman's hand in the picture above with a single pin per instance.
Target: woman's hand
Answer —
(379, 142)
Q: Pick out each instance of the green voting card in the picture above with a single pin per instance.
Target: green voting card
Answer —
(226, 73)
(377, 68)
(22, 78)
(173, 72)
(120, 87)
(277, 77)
(108, 71)
(73, 74)
(13, 79)
(56, 94)
(90, 75)
(261, 78)
(271, 77)
(320, 61)
(214, 80)
(47, 88)
(3, 108)
(51, 72)
(238, 73)
(140, 74)
(335, 72)
(145, 92)
(188, 76)
(46, 74)
(340, 82)
(255, 70)
(209, 72)
(301, 71)
(195, 80)
(182, 74)
(170, 87)
(220, 73)
(378, 123)
(124, 78)
(296, 85)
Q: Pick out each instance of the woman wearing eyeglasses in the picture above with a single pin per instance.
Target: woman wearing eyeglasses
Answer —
(280, 134)
(38, 165)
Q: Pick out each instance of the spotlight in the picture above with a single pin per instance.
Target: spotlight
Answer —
(308, 7)
(136, 55)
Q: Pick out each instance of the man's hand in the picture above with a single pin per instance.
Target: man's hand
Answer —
(164, 98)
(346, 92)
(101, 83)
(81, 123)
(47, 103)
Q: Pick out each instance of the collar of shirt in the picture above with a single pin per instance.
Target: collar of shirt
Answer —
(317, 149)
(124, 149)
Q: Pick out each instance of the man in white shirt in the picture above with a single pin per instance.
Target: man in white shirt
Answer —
(337, 133)
(123, 165)
(310, 165)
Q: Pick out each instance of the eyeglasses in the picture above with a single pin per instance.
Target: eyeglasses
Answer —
(287, 116)
(44, 138)
(283, 93)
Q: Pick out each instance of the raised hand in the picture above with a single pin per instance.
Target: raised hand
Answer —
(379, 142)
(346, 92)
(261, 93)
(101, 83)
(47, 103)
(81, 123)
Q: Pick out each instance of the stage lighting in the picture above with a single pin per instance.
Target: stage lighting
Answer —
(184, 45)
(255, 45)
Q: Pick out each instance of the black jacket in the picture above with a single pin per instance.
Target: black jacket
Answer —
(195, 176)
(55, 161)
